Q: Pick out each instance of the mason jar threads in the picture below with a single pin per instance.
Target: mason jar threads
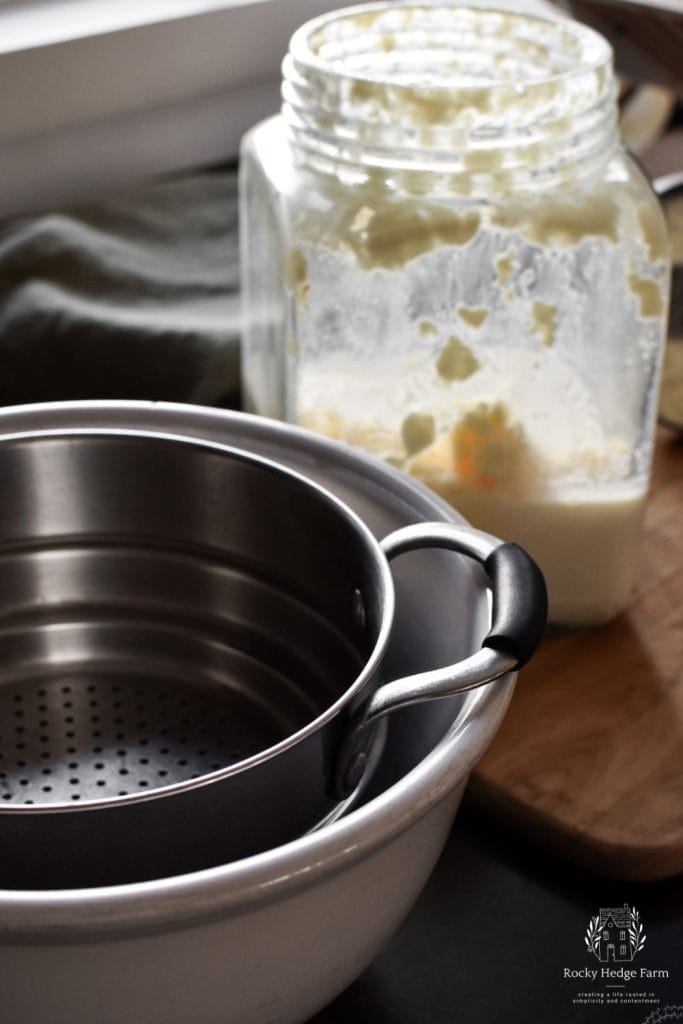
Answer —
(449, 260)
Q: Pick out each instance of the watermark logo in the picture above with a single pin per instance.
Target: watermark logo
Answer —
(615, 934)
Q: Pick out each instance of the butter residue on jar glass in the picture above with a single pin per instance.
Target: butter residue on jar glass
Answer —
(449, 261)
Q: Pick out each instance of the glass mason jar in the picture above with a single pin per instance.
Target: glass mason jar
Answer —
(449, 260)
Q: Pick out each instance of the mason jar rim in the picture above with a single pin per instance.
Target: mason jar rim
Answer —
(359, 106)
(600, 52)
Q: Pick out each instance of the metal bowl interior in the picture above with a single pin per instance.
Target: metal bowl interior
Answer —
(175, 616)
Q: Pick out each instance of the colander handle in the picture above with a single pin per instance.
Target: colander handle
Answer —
(518, 615)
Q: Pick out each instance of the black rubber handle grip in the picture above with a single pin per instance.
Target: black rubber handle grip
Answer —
(520, 602)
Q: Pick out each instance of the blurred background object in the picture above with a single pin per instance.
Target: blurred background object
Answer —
(647, 36)
(670, 191)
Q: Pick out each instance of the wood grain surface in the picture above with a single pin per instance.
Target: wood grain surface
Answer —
(589, 760)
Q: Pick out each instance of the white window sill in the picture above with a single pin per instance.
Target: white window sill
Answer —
(98, 94)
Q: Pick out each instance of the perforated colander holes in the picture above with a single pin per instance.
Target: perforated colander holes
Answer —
(110, 738)
(14, 768)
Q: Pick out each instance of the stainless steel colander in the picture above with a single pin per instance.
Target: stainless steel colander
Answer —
(191, 640)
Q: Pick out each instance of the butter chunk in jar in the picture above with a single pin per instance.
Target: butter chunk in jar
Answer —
(449, 261)
(584, 536)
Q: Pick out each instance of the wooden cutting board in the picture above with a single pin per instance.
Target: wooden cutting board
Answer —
(589, 760)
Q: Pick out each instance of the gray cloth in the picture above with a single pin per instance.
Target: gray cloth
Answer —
(132, 297)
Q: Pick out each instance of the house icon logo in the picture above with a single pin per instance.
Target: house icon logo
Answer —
(615, 934)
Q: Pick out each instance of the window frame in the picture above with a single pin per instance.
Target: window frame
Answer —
(126, 90)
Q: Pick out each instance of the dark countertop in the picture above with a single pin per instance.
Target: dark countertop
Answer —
(495, 928)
